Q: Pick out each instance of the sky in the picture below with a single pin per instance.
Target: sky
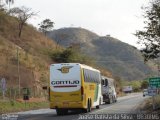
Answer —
(117, 18)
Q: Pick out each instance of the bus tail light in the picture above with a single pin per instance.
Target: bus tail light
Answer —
(82, 93)
(82, 90)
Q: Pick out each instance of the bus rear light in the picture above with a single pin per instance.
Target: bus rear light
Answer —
(82, 90)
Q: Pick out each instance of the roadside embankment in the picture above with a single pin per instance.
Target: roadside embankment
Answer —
(8, 106)
(147, 105)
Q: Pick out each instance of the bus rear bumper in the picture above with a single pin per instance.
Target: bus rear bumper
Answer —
(67, 105)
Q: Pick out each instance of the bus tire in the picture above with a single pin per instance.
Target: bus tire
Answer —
(90, 105)
(98, 106)
(88, 109)
(61, 111)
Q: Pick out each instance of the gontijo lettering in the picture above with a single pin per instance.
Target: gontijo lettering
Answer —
(74, 82)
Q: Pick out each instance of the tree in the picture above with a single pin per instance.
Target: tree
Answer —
(144, 84)
(69, 54)
(23, 14)
(9, 2)
(46, 26)
(1, 5)
(150, 36)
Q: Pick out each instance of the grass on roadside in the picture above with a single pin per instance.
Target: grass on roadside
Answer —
(147, 106)
(14, 106)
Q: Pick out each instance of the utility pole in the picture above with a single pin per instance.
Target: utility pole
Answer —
(19, 80)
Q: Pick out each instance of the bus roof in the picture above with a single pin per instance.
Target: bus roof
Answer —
(82, 65)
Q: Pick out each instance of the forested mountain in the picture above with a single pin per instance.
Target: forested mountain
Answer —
(120, 58)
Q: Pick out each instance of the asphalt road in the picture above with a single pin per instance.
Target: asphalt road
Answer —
(126, 104)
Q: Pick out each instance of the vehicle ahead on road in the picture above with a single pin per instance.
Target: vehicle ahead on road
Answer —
(74, 86)
(145, 92)
(108, 90)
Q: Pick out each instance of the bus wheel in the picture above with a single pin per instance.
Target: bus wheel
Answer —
(98, 106)
(88, 109)
(90, 106)
(61, 111)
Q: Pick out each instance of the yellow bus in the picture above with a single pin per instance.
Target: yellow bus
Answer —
(74, 86)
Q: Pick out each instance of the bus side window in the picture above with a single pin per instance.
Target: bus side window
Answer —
(91, 76)
(85, 75)
(88, 76)
(95, 78)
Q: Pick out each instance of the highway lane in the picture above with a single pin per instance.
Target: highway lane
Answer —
(125, 104)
